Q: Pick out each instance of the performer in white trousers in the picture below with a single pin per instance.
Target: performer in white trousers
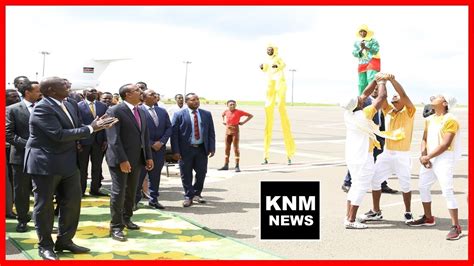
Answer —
(440, 148)
(400, 116)
(360, 142)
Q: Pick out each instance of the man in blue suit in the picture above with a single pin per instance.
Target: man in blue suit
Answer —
(193, 140)
(159, 129)
(51, 160)
(94, 146)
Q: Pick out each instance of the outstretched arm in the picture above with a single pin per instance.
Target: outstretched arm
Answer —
(403, 96)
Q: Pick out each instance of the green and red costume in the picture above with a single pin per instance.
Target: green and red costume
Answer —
(369, 60)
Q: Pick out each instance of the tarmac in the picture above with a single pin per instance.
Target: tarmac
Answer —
(319, 132)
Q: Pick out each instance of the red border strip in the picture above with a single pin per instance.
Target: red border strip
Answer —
(469, 262)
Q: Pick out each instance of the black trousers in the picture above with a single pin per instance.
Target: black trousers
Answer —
(154, 177)
(22, 186)
(68, 189)
(96, 155)
(122, 197)
(195, 159)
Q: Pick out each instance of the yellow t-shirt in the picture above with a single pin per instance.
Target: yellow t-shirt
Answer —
(369, 113)
(450, 126)
(405, 119)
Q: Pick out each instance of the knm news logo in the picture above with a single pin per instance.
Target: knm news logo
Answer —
(289, 210)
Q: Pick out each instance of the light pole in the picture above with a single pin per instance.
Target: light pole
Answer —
(292, 84)
(44, 59)
(186, 75)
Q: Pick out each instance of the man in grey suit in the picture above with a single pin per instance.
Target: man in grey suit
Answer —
(127, 152)
(193, 141)
(159, 131)
(51, 160)
(17, 134)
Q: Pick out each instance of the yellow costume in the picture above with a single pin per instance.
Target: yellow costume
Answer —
(276, 95)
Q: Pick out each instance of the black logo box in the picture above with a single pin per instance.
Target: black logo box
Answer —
(300, 224)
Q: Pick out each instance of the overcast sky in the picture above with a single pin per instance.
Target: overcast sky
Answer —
(425, 47)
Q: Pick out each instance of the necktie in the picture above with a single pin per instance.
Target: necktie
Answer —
(196, 126)
(91, 106)
(32, 105)
(382, 122)
(66, 112)
(154, 116)
(137, 117)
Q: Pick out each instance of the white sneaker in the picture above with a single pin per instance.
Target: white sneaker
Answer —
(408, 217)
(372, 216)
(358, 219)
(354, 225)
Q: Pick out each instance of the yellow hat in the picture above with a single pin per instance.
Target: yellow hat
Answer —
(366, 28)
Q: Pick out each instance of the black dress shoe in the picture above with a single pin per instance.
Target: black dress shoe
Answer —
(47, 254)
(187, 203)
(98, 194)
(22, 227)
(388, 190)
(224, 168)
(131, 226)
(156, 205)
(118, 235)
(71, 247)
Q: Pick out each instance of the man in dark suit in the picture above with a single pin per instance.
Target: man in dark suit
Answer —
(12, 97)
(51, 160)
(128, 152)
(17, 134)
(193, 140)
(94, 146)
(159, 129)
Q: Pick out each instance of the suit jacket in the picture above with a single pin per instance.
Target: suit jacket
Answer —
(87, 118)
(182, 131)
(72, 101)
(125, 140)
(51, 148)
(161, 133)
(17, 131)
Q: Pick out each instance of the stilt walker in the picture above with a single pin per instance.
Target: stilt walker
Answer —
(276, 95)
(366, 49)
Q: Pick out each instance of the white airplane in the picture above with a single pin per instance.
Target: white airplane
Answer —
(88, 73)
(83, 74)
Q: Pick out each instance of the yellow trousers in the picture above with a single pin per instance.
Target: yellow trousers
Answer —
(276, 95)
